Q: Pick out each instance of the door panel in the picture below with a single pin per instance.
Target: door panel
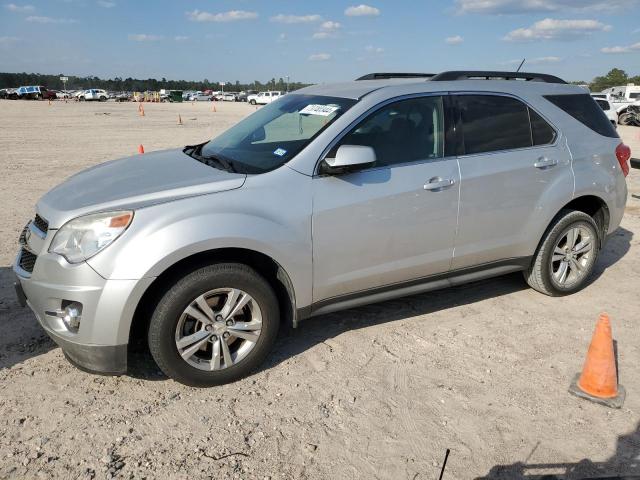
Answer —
(381, 226)
(505, 193)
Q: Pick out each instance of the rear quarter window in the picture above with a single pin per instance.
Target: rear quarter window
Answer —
(584, 109)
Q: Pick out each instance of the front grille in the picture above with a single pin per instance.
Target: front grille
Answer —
(27, 260)
(41, 224)
(23, 236)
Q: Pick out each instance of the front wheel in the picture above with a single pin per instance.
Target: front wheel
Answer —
(214, 326)
(252, 102)
(625, 119)
(566, 256)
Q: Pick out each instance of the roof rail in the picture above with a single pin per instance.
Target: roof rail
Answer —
(386, 76)
(494, 75)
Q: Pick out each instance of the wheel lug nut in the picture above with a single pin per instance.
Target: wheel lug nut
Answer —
(214, 337)
(225, 335)
(218, 318)
(230, 323)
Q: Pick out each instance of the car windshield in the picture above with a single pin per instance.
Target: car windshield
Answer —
(274, 134)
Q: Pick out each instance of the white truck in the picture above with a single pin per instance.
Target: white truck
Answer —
(263, 98)
(623, 96)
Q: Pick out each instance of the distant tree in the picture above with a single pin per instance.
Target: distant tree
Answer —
(614, 78)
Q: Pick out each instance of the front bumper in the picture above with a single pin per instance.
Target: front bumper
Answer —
(99, 344)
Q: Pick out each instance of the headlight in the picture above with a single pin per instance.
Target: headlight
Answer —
(81, 238)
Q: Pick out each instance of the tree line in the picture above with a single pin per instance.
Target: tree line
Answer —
(13, 80)
(614, 77)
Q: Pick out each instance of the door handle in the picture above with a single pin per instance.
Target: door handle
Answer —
(544, 162)
(437, 183)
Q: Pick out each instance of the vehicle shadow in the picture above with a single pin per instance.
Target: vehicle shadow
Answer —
(617, 246)
(624, 464)
(21, 337)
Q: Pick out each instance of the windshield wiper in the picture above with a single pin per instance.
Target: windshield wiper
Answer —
(215, 161)
(218, 162)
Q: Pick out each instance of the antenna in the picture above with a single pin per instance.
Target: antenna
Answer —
(521, 63)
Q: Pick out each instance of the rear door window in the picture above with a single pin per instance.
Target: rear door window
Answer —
(492, 123)
(584, 109)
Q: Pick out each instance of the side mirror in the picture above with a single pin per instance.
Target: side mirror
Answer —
(258, 135)
(349, 158)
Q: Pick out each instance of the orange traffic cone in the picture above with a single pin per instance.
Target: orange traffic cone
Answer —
(140, 149)
(49, 102)
(179, 120)
(598, 381)
(213, 107)
(141, 110)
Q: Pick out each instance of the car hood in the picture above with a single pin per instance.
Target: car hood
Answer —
(134, 182)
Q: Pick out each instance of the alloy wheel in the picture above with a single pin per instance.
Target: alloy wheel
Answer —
(218, 329)
(572, 256)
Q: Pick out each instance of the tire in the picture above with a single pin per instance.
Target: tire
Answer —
(625, 119)
(545, 274)
(170, 322)
(252, 102)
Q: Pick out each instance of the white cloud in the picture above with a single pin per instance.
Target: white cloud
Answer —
(455, 40)
(144, 37)
(539, 60)
(552, 29)
(372, 49)
(622, 49)
(180, 38)
(506, 7)
(106, 4)
(282, 18)
(320, 57)
(12, 7)
(330, 26)
(328, 29)
(6, 41)
(231, 16)
(362, 11)
(36, 19)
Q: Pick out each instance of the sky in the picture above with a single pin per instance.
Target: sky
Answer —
(316, 41)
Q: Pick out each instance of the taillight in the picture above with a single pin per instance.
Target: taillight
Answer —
(623, 154)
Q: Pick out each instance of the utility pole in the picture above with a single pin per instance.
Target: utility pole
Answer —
(287, 83)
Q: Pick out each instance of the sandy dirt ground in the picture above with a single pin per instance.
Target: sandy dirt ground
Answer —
(375, 392)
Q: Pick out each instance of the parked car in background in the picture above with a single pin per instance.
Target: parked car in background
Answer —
(242, 96)
(63, 94)
(608, 110)
(33, 92)
(6, 92)
(229, 96)
(332, 197)
(199, 97)
(92, 94)
(263, 98)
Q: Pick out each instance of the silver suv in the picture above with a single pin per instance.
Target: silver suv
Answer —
(331, 197)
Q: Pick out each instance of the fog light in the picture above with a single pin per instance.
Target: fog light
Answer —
(72, 314)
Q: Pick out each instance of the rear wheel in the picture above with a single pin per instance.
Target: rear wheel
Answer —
(566, 256)
(214, 326)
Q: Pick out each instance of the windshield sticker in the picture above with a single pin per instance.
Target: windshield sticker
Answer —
(281, 152)
(323, 110)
